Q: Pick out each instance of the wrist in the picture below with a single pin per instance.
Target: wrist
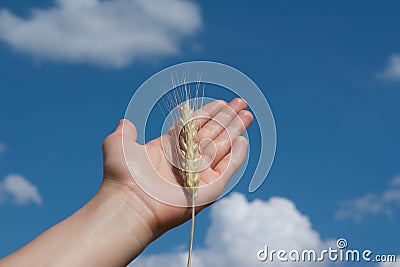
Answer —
(116, 224)
(110, 230)
(126, 207)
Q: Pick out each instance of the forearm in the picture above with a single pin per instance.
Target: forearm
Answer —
(110, 230)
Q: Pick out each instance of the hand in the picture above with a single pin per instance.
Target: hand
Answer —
(228, 123)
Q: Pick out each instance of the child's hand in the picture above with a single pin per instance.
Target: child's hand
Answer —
(151, 163)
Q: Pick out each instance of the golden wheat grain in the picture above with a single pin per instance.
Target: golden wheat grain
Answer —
(189, 158)
(189, 150)
(184, 133)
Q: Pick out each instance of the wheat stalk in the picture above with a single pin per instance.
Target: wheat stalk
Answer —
(188, 150)
(184, 133)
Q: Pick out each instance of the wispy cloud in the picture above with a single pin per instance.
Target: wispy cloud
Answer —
(2, 148)
(110, 33)
(372, 203)
(390, 264)
(18, 189)
(395, 181)
(240, 228)
(392, 69)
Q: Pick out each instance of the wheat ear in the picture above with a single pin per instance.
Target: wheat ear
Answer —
(190, 158)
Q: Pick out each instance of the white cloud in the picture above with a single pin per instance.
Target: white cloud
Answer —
(372, 204)
(110, 33)
(391, 264)
(239, 229)
(395, 181)
(392, 69)
(2, 147)
(20, 190)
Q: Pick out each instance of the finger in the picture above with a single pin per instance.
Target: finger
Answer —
(219, 122)
(113, 143)
(128, 129)
(124, 128)
(208, 111)
(222, 144)
(231, 162)
(202, 115)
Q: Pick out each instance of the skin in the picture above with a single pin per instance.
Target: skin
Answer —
(119, 222)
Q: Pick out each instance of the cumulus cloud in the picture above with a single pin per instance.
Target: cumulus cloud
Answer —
(392, 69)
(239, 229)
(372, 204)
(110, 33)
(19, 190)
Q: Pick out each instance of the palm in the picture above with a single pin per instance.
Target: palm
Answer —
(150, 160)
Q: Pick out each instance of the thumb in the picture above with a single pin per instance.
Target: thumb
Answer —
(126, 129)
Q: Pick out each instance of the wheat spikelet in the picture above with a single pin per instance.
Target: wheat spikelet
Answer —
(189, 150)
(189, 153)
(186, 147)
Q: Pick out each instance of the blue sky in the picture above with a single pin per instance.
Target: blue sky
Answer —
(330, 71)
